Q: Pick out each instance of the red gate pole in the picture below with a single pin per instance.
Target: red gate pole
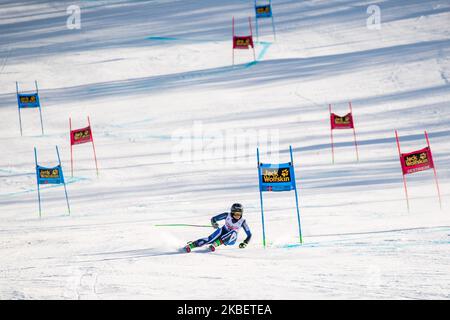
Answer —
(93, 146)
(251, 35)
(331, 134)
(435, 172)
(71, 146)
(354, 131)
(404, 178)
(233, 41)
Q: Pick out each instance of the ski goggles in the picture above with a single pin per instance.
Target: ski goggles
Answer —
(236, 214)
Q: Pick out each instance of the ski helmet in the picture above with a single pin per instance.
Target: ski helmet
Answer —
(237, 208)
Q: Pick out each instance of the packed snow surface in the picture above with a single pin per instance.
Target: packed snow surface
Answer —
(166, 104)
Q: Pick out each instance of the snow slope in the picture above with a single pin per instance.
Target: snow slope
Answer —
(155, 77)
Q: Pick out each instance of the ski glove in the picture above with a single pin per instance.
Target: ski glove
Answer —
(215, 225)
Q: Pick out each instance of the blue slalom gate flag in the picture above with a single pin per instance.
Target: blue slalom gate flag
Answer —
(30, 100)
(50, 175)
(277, 178)
(263, 11)
(53, 175)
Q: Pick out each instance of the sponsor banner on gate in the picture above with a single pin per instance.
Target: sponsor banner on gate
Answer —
(50, 175)
(338, 122)
(276, 177)
(28, 100)
(242, 42)
(79, 136)
(416, 161)
(263, 11)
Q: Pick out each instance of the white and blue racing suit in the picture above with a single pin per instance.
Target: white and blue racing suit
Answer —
(228, 233)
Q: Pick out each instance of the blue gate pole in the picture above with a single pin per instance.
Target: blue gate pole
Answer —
(37, 180)
(261, 199)
(273, 23)
(40, 111)
(256, 22)
(64, 182)
(18, 105)
(296, 196)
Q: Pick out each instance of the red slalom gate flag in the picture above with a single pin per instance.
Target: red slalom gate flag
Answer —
(345, 122)
(79, 136)
(416, 161)
(243, 42)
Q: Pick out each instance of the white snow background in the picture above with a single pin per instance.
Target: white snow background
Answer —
(146, 72)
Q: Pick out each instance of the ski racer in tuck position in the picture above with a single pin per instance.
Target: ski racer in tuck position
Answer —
(228, 233)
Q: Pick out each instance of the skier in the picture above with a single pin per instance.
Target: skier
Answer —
(226, 235)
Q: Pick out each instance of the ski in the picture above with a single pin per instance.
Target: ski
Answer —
(188, 247)
(212, 246)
